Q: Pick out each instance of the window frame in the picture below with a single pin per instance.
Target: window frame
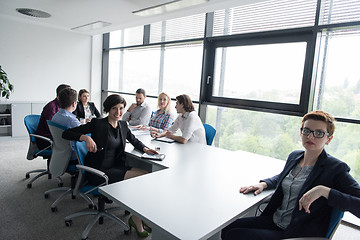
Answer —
(271, 37)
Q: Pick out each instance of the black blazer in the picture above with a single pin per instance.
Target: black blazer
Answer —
(327, 171)
(80, 113)
(99, 130)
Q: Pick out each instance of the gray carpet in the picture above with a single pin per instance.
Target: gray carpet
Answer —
(26, 214)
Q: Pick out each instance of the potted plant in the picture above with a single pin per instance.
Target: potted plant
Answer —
(5, 86)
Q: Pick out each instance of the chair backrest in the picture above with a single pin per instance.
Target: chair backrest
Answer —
(61, 150)
(31, 123)
(81, 151)
(210, 133)
(335, 220)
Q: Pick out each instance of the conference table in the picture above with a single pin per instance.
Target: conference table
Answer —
(194, 192)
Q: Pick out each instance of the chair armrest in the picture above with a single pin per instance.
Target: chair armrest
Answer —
(94, 171)
(41, 137)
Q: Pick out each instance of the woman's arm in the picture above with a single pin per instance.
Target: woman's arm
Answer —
(336, 199)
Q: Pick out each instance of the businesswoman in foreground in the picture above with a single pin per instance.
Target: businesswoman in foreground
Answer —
(106, 148)
(311, 184)
(85, 109)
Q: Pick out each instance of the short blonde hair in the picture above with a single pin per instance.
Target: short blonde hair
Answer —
(167, 108)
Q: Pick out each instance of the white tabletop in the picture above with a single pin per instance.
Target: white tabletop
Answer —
(197, 193)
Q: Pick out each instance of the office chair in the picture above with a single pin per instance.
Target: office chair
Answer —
(335, 220)
(60, 164)
(83, 186)
(31, 123)
(210, 133)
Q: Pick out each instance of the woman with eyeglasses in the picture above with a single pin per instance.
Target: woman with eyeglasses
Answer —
(310, 186)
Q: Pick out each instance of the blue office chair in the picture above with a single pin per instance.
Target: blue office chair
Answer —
(60, 164)
(84, 187)
(335, 221)
(31, 123)
(210, 133)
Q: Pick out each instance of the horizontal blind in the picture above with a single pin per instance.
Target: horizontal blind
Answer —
(185, 27)
(265, 16)
(155, 32)
(339, 11)
(133, 36)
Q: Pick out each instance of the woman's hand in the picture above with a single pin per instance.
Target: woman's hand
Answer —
(157, 135)
(257, 188)
(90, 143)
(310, 196)
(143, 127)
(169, 135)
(150, 151)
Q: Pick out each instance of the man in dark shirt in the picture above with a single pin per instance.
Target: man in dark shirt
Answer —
(47, 114)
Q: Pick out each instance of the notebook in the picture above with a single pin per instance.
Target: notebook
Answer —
(165, 139)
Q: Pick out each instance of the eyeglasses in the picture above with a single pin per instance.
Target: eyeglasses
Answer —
(316, 133)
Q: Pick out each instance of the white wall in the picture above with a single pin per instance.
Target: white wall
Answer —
(37, 59)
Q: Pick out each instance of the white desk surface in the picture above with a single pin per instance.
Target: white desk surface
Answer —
(197, 192)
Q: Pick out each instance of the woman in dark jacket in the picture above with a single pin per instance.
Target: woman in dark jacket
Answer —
(106, 148)
(85, 109)
(311, 184)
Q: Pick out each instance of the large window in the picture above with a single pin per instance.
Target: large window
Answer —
(338, 74)
(268, 72)
(255, 70)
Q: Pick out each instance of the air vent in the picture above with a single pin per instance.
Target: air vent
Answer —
(33, 12)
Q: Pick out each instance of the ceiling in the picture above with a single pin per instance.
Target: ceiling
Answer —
(68, 14)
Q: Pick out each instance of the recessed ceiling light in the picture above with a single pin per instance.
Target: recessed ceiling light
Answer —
(169, 6)
(33, 12)
(91, 26)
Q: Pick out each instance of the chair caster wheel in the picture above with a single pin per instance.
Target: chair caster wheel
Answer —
(27, 176)
(46, 195)
(127, 212)
(84, 238)
(68, 223)
(60, 184)
(126, 232)
(29, 185)
(54, 209)
(73, 197)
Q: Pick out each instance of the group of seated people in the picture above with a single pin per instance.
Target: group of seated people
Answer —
(311, 184)
(106, 146)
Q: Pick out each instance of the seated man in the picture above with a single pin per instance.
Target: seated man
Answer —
(47, 114)
(138, 113)
(65, 117)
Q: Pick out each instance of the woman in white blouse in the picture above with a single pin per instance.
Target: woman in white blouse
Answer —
(187, 121)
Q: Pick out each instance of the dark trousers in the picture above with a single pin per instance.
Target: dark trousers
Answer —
(253, 228)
